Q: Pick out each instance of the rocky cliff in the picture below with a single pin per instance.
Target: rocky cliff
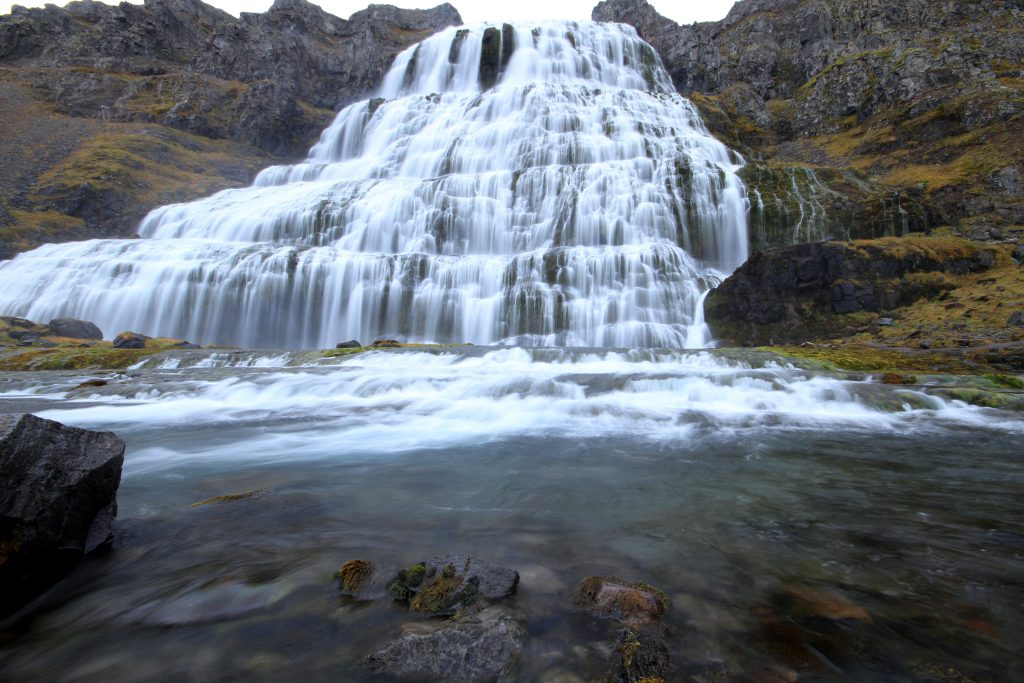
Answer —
(114, 110)
(860, 118)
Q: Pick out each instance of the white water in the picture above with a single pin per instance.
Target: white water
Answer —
(223, 407)
(577, 202)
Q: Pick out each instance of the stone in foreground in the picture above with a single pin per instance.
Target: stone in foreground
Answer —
(58, 488)
(447, 584)
(483, 647)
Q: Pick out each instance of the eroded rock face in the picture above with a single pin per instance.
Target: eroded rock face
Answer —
(778, 78)
(195, 63)
(58, 488)
(797, 293)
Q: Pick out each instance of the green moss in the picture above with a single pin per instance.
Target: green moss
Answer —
(231, 497)
(353, 574)
(439, 594)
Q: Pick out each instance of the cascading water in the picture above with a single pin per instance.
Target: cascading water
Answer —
(537, 184)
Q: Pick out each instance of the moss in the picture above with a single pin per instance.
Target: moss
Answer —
(353, 574)
(439, 594)
(231, 497)
(1006, 381)
(102, 356)
(659, 595)
(155, 165)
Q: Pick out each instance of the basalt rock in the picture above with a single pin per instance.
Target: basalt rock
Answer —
(917, 99)
(58, 489)
(130, 340)
(76, 329)
(800, 293)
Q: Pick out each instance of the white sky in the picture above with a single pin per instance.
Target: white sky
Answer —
(472, 11)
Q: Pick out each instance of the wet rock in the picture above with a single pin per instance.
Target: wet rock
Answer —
(1017, 319)
(186, 345)
(353, 576)
(641, 655)
(802, 601)
(130, 340)
(58, 488)
(447, 584)
(350, 344)
(76, 329)
(92, 383)
(485, 646)
(387, 343)
(613, 598)
(640, 652)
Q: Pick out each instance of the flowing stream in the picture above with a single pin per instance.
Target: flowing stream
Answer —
(726, 478)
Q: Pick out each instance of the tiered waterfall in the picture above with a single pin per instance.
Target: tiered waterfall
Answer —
(537, 184)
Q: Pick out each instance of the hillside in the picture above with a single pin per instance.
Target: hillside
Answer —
(114, 110)
(860, 118)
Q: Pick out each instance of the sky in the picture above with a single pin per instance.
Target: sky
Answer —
(472, 11)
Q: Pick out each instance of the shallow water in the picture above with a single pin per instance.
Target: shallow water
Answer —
(724, 482)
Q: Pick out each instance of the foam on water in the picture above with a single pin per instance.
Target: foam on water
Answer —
(386, 402)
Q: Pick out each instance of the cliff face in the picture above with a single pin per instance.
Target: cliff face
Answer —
(118, 109)
(860, 117)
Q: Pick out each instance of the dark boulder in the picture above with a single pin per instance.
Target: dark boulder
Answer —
(351, 344)
(485, 646)
(1017, 319)
(58, 488)
(76, 329)
(639, 610)
(130, 340)
(447, 584)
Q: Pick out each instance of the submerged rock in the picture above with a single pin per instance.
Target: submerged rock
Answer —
(447, 584)
(641, 653)
(611, 597)
(76, 329)
(58, 488)
(485, 646)
(353, 575)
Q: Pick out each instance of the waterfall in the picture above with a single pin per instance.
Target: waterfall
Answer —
(538, 184)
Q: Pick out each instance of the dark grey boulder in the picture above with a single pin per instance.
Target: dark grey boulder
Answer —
(58, 499)
(485, 646)
(1017, 319)
(76, 329)
(130, 340)
(350, 344)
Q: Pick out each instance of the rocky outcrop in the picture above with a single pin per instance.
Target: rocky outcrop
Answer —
(804, 292)
(115, 110)
(57, 501)
(911, 104)
(258, 79)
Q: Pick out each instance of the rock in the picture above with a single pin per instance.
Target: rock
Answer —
(447, 584)
(611, 597)
(186, 345)
(803, 292)
(57, 501)
(641, 655)
(482, 647)
(1018, 253)
(130, 340)
(351, 344)
(802, 602)
(1017, 319)
(387, 343)
(92, 383)
(353, 575)
(76, 329)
